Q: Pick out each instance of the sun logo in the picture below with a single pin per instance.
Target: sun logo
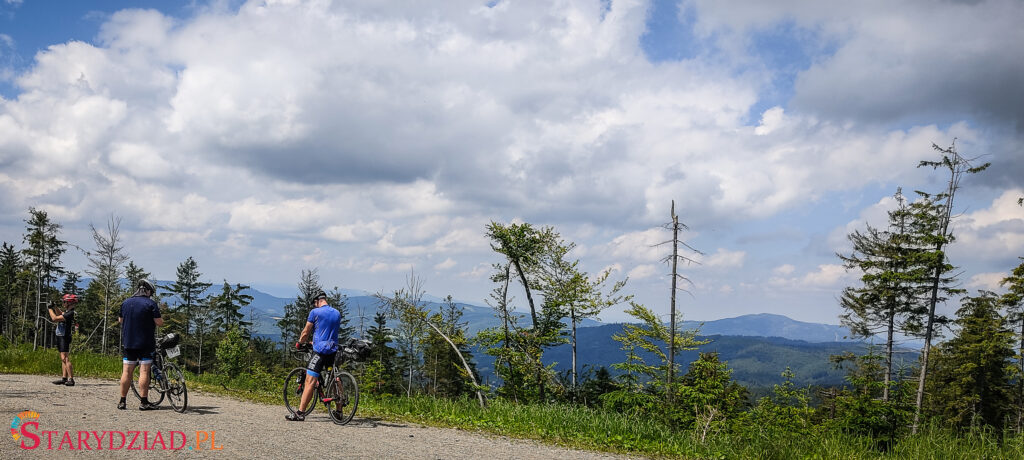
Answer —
(22, 417)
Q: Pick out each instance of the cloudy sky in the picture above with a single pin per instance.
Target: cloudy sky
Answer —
(367, 139)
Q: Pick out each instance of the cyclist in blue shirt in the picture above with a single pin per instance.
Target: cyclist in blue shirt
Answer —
(322, 324)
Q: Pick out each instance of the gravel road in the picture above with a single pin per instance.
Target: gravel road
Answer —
(238, 429)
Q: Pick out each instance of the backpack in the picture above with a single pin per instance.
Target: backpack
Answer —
(357, 350)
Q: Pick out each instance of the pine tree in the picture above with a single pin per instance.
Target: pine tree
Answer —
(891, 279)
(971, 380)
(188, 290)
(227, 309)
(1013, 301)
(296, 313)
(383, 378)
(934, 230)
(10, 266)
(42, 254)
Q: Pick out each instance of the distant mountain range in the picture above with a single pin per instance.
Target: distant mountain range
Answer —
(757, 347)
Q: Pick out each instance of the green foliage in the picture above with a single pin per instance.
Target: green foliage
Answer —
(232, 352)
(971, 380)
(787, 410)
(381, 373)
(652, 336)
(865, 408)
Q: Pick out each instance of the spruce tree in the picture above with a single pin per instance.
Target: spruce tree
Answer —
(972, 383)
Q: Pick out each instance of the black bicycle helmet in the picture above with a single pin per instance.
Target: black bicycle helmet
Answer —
(317, 295)
(146, 285)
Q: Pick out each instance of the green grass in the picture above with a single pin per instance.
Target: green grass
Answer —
(566, 425)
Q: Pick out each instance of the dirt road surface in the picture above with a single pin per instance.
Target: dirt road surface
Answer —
(220, 427)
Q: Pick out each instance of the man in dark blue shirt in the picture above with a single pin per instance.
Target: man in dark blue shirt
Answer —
(322, 323)
(139, 317)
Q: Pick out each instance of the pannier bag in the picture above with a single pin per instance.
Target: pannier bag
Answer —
(357, 350)
(169, 340)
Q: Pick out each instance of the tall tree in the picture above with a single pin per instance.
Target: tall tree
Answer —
(227, 309)
(940, 210)
(42, 254)
(340, 302)
(971, 381)
(673, 261)
(188, 289)
(10, 265)
(295, 313)
(382, 370)
(105, 267)
(524, 246)
(1013, 301)
(891, 276)
(570, 291)
(134, 274)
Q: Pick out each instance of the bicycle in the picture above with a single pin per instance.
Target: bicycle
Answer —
(340, 389)
(165, 378)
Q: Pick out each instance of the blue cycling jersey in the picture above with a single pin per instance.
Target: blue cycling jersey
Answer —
(326, 321)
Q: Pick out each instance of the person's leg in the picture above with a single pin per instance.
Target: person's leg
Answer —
(307, 392)
(127, 369)
(62, 351)
(144, 369)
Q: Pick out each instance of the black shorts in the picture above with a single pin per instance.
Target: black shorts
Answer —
(63, 344)
(318, 362)
(137, 356)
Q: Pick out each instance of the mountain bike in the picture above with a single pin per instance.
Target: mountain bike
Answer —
(336, 388)
(165, 378)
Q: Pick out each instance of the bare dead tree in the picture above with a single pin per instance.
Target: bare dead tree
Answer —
(673, 260)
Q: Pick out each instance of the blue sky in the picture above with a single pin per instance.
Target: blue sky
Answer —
(367, 139)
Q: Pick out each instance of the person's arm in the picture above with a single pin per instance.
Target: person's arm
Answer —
(157, 319)
(306, 332)
(54, 316)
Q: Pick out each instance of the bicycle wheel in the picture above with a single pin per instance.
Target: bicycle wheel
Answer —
(176, 391)
(344, 394)
(293, 388)
(156, 394)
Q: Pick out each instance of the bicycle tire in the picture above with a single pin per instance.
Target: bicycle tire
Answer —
(154, 387)
(344, 394)
(294, 384)
(176, 390)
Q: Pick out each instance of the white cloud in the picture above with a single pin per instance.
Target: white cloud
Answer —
(448, 263)
(986, 281)
(724, 258)
(368, 139)
(783, 270)
(643, 271)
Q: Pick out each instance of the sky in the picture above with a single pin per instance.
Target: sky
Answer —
(369, 139)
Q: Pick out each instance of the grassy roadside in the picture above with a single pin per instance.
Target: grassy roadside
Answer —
(564, 425)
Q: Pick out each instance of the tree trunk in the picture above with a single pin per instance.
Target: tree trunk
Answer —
(465, 365)
(888, 352)
(504, 307)
(672, 308)
(927, 348)
(572, 314)
(533, 316)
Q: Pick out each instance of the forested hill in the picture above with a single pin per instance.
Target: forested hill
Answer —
(756, 362)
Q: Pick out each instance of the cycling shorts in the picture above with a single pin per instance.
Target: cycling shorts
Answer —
(137, 356)
(318, 362)
(63, 344)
